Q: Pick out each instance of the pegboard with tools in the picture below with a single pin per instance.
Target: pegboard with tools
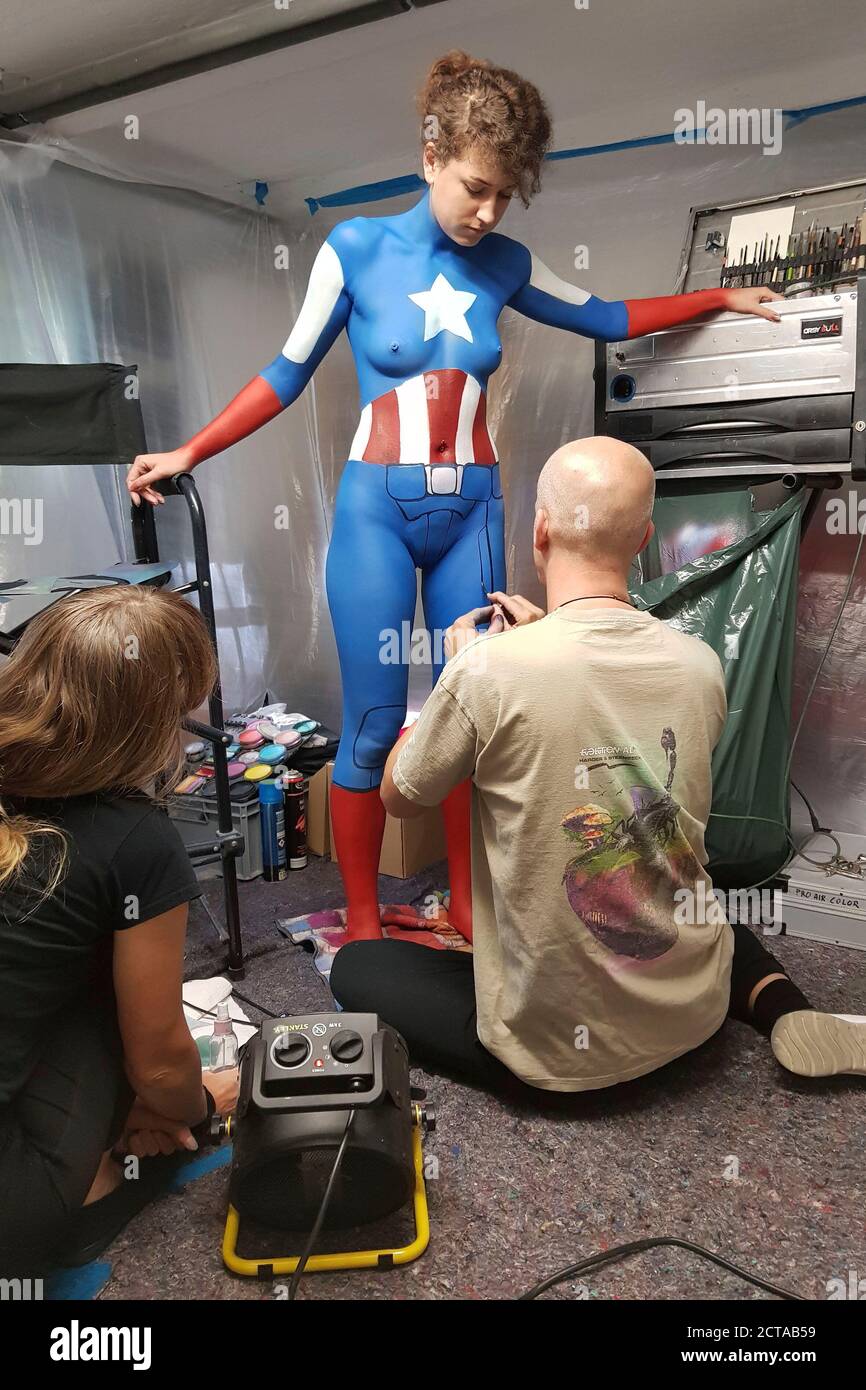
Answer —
(738, 396)
(799, 244)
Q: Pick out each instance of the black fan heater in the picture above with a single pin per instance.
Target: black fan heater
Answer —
(301, 1079)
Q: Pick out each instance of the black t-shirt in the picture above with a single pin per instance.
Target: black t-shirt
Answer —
(126, 863)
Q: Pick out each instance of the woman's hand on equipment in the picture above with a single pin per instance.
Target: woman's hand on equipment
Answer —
(223, 1086)
(147, 469)
(515, 610)
(751, 301)
(147, 1134)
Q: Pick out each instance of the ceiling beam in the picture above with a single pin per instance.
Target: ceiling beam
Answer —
(207, 62)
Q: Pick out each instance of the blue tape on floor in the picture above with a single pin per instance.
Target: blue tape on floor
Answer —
(86, 1282)
(76, 1284)
(198, 1167)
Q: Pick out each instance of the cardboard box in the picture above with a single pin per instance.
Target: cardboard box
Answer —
(408, 846)
(318, 814)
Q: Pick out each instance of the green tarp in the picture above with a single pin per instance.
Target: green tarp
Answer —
(742, 601)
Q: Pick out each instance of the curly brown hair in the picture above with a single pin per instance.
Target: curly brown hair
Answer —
(470, 104)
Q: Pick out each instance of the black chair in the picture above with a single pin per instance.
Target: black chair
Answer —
(86, 414)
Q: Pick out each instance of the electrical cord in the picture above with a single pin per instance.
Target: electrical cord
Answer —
(813, 818)
(323, 1207)
(252, 1003)
(633, 1247)
(817, 829)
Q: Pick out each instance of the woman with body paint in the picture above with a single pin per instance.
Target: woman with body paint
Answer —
(97, 1063)
(419, 295)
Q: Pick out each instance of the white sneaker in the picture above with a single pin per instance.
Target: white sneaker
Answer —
(810, 1043)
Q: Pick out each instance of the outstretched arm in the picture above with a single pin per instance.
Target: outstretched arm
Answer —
(547, 299)
(323, 315)
(322, 318)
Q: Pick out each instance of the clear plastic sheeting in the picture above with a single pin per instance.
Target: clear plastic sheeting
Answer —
(192, 292)
(189, 289)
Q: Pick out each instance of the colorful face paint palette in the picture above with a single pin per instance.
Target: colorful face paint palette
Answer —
(232, 750)
(271, 753)
(248, 758)
(250, 738)
(190, 784)
(257, 772)
(267, 729)
(236, 769)
(290, 739)
(308, 726)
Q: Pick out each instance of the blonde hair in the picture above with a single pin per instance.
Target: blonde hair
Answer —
(470, 104)
(92, 699)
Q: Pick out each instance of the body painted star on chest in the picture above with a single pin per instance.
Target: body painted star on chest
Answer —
(445, 309)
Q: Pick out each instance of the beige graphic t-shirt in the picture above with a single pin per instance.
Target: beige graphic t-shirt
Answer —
(599, 951)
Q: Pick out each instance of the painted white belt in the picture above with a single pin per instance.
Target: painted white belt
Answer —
(444, 478)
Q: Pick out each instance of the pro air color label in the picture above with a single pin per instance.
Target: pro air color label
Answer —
(816, 329)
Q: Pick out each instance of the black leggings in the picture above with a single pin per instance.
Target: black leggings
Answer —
(53, 1134)
(429, 997)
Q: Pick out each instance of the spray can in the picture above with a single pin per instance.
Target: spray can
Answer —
(295, 795)
(273, 831)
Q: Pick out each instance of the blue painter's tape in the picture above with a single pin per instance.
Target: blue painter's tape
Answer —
(198, 1167)
(89, 1280)
(75, 1284)
(585, 150)
(367, 192)
(794, 117)
(392, 188)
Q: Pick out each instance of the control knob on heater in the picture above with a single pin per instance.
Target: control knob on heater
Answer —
(346, 1046)
(291, 1050)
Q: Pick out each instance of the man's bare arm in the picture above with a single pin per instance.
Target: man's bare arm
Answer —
(395, 803)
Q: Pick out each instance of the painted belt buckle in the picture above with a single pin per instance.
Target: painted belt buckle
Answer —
(444, 478)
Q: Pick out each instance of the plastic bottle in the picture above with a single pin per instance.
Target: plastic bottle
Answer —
(224, 1042)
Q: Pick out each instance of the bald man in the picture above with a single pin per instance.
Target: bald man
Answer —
(599, 950)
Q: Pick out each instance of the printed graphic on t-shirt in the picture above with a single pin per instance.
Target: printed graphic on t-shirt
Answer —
(632, 856)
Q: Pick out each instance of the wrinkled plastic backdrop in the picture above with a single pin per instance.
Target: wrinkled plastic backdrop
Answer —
(190, 289)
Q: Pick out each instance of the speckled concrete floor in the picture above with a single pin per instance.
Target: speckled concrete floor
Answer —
(524, 1192)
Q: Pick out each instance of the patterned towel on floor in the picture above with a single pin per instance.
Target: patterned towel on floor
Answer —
(326, 932)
